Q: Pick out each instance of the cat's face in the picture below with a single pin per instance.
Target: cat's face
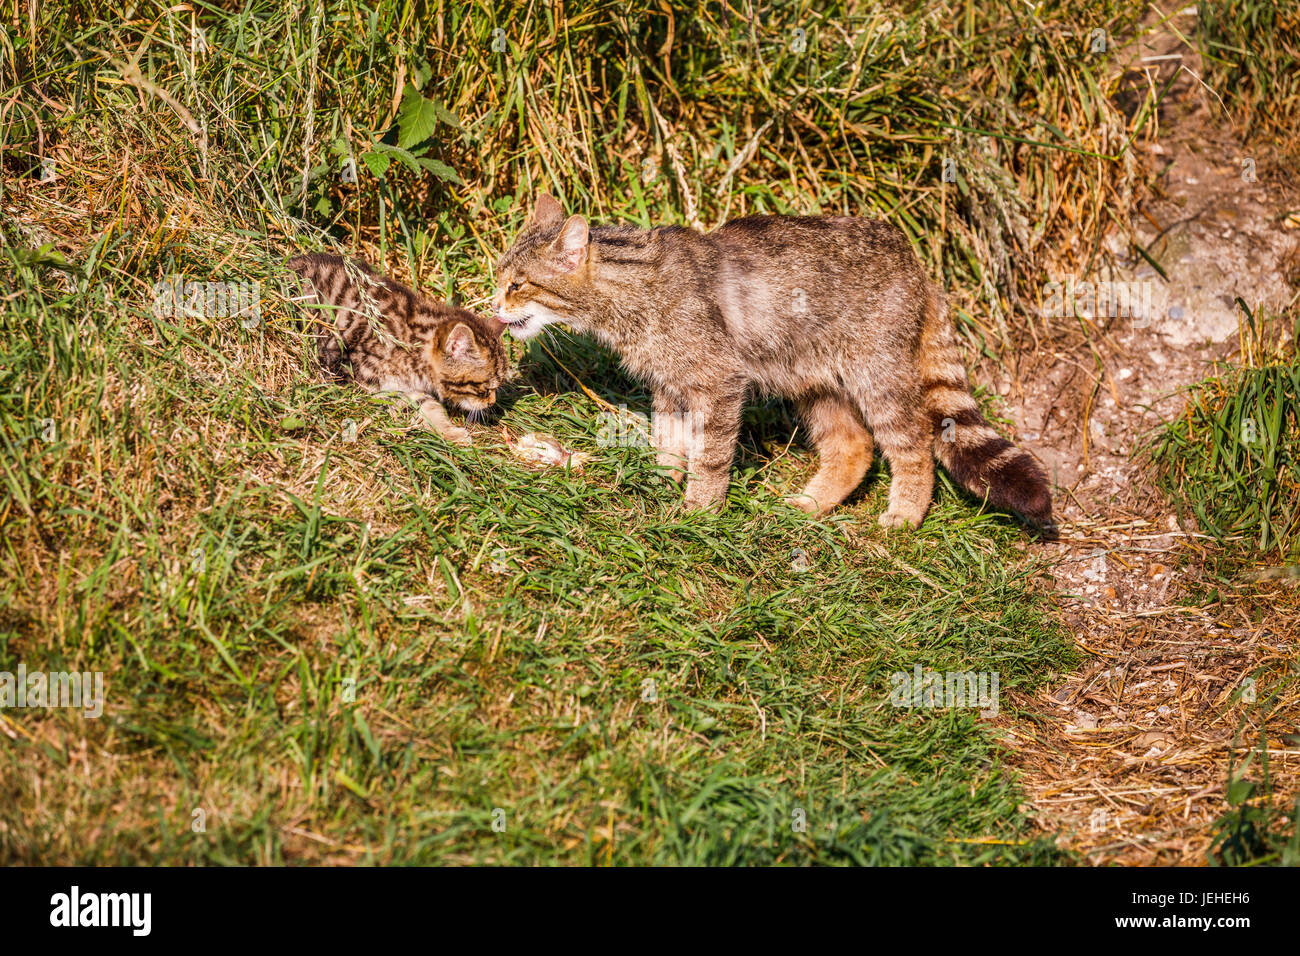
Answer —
(542, 276)
(469, 362)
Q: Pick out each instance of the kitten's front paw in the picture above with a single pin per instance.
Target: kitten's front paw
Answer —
(456, 435)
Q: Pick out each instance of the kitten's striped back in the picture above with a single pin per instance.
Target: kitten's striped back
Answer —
(387, 335)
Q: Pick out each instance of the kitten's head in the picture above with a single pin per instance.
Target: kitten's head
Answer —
(541, 277)
(468, 360)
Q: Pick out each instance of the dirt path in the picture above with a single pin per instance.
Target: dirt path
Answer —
(1127, 759)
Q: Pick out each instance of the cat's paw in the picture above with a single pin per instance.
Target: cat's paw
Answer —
(700, 502)
(456, 435)
(804, 503)
(899, 519)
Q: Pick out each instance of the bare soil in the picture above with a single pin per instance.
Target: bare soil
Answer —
(1128, 757)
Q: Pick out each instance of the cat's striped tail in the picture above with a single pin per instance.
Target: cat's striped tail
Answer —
(977, 457)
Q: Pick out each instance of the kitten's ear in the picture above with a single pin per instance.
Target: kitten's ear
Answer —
(460, 342)
(571, 244)
(547, 212)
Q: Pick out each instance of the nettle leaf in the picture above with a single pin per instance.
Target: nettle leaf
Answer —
(401, 155)
(377, 163)
(383, 153)
(441, 170)
(446, 115)
(416, 118)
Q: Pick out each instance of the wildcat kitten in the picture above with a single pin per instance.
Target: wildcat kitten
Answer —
(394, 339)
(832, 312)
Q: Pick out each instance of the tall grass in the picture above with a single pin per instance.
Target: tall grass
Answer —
(360, 650)
(1231, 459)
(455, 115)
(1252, 54)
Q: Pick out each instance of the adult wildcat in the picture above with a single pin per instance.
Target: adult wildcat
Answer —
(832, 312)
(392, 339)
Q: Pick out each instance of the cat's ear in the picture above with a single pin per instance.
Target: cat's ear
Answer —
(571, 244)
(460, 342)
(547, 212)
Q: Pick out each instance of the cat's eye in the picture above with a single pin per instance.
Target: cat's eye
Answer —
(513, 287)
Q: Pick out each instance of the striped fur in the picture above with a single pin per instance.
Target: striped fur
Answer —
(388, 338)
(977, 457)
(832, 312)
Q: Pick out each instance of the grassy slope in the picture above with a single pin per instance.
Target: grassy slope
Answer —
(500, 624)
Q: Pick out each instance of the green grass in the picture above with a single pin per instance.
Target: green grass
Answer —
(500, 626)
(1231, 460)
(1252, 55)
(357, 651)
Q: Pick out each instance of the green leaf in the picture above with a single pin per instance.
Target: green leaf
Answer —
(1239, 791)
(441, 170)
(376, 162)
(396, 152)
(416, 119)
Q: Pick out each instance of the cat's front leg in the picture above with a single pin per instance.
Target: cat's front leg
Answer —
(435, 417)
(713, 422)
(668, 432)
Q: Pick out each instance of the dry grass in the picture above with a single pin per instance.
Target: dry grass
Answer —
(373, 561)
(1131, 759)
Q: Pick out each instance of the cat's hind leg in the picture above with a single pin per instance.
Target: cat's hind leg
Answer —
(843, 448)
(905, 437)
